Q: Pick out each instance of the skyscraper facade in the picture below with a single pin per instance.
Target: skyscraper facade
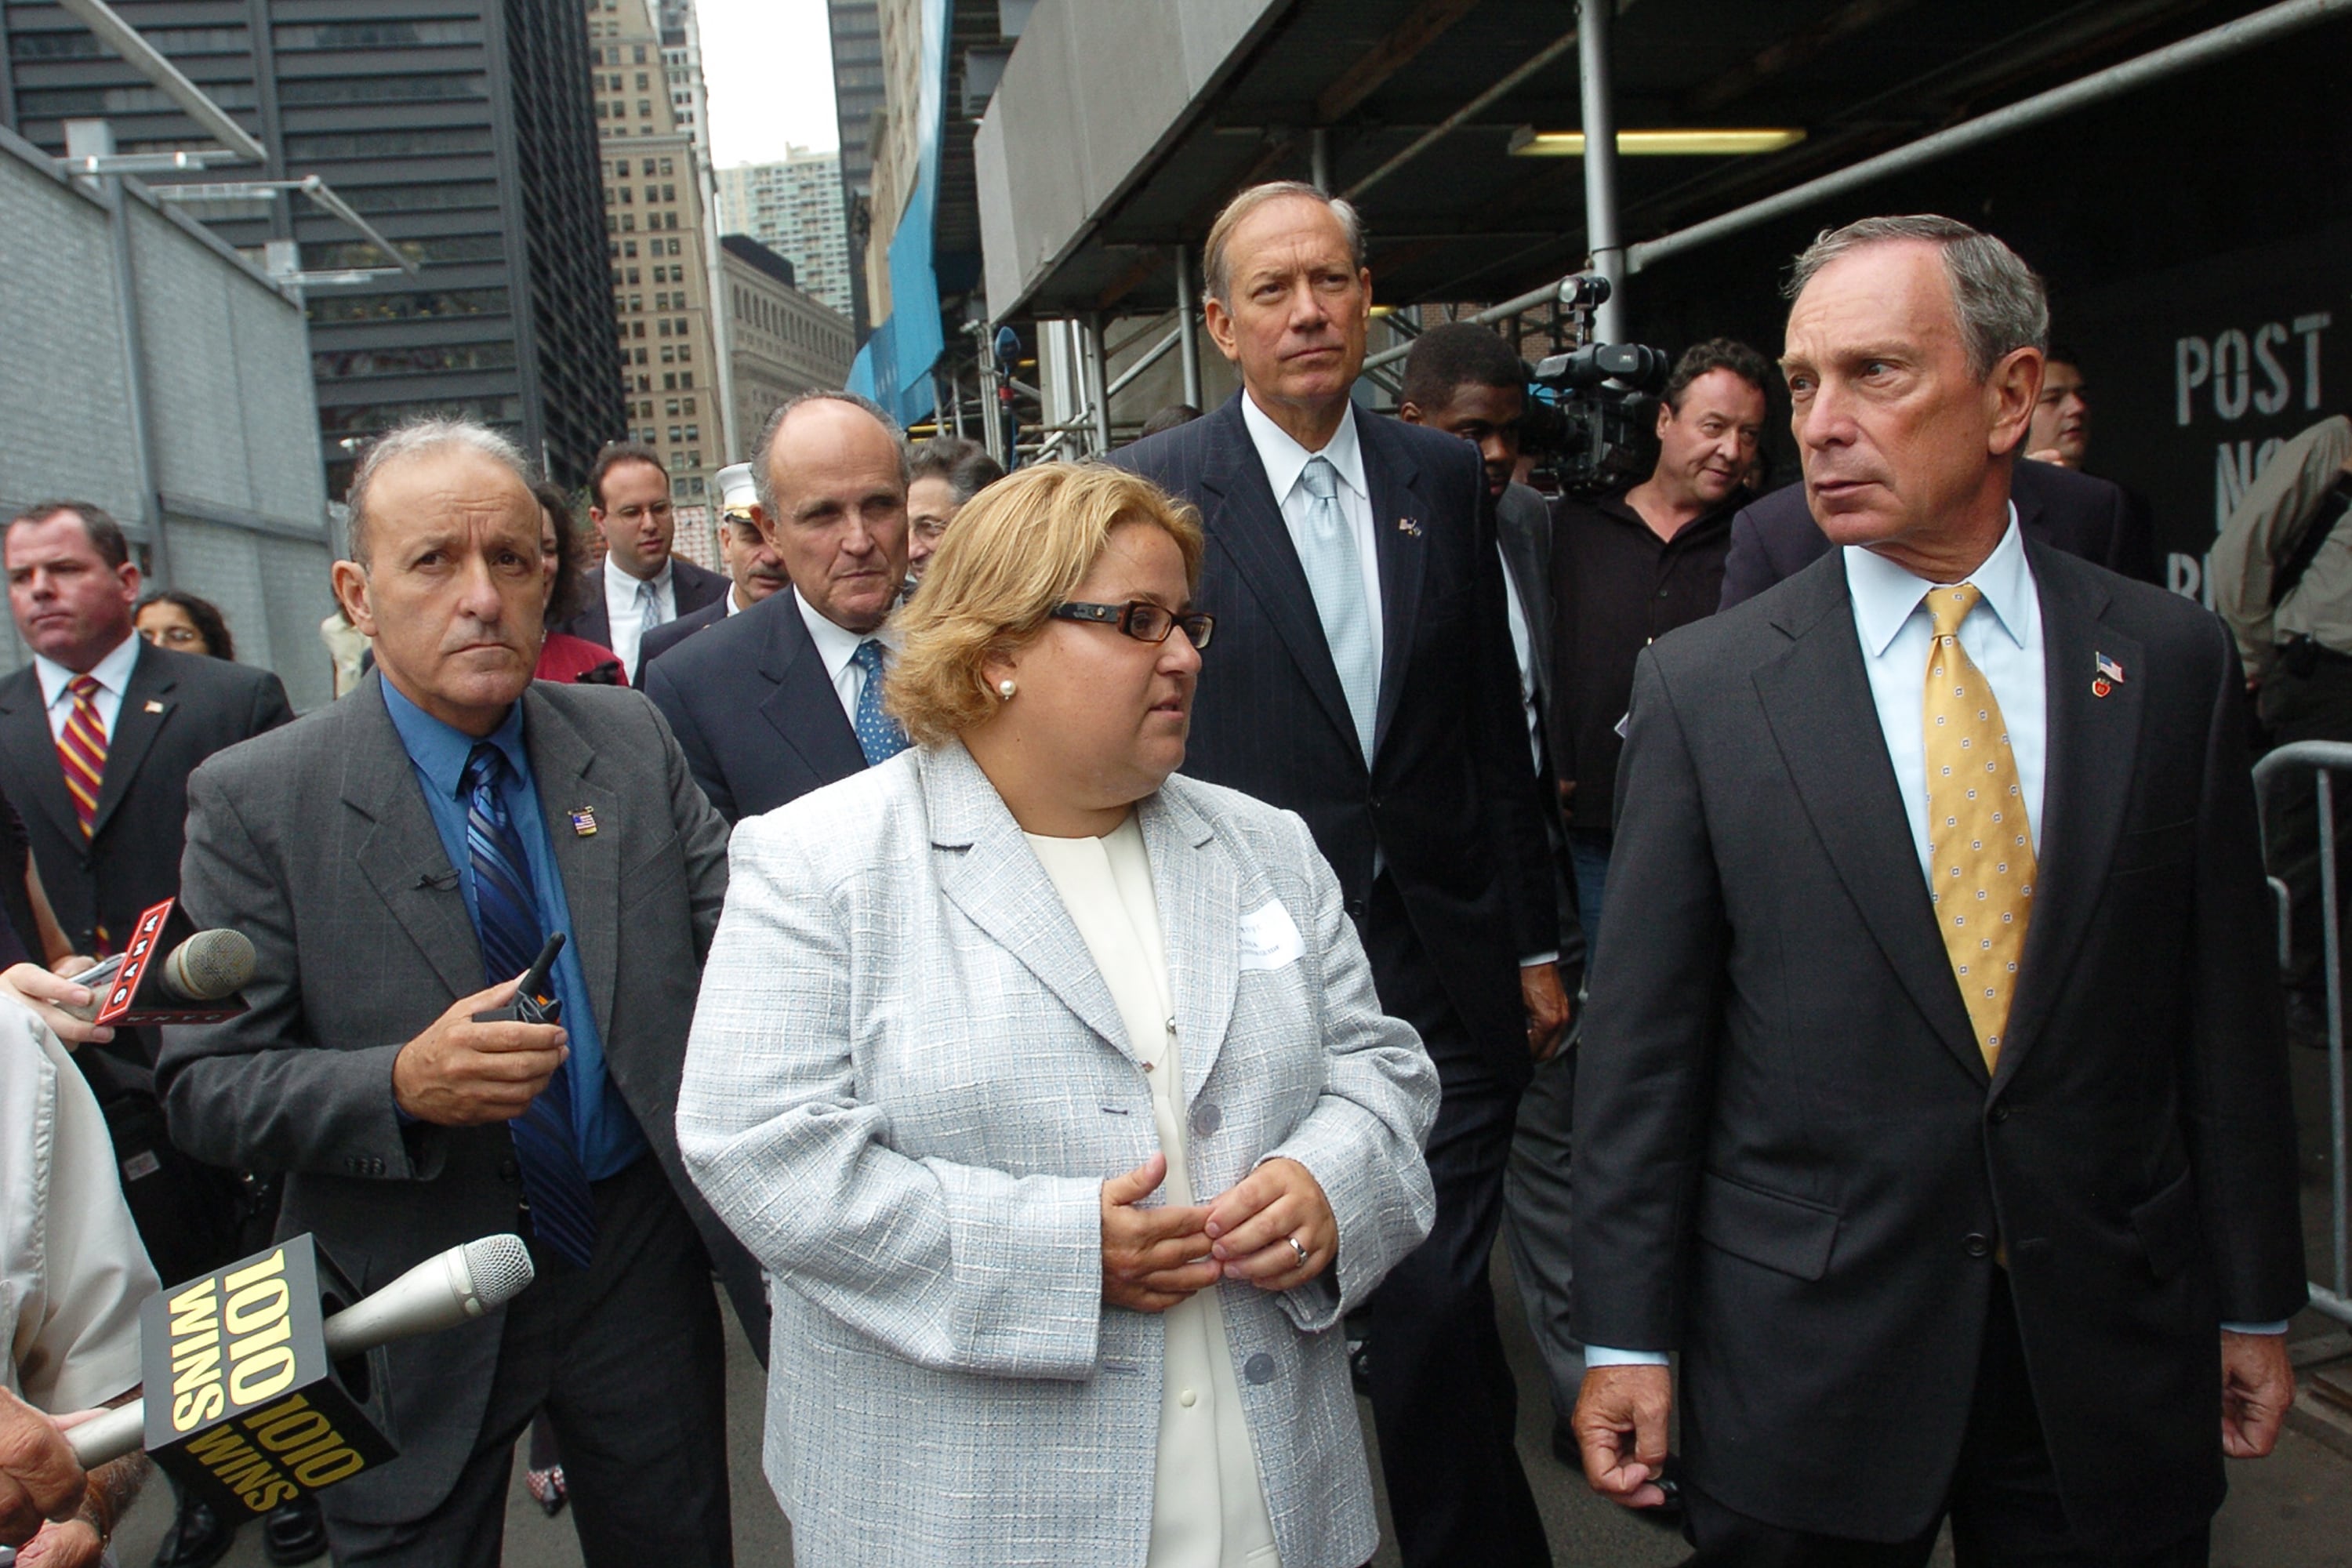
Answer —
(794, 207)
(859, 93)
(660, 242)
(782, 340)
(462, 130)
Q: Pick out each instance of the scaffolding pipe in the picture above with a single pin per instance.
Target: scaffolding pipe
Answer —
(2202, 48)
(1464, 115)
(1599, 113)
(1100, 364)
(1546, 295)
(142, 57)
(1187, 330)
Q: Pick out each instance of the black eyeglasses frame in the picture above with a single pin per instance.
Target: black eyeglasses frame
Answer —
(1198, 626)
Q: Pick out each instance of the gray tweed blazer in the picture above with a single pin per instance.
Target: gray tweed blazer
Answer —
(905, 1086)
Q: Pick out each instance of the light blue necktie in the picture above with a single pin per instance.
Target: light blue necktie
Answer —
(649, 606)
(879, 734)
(1335, 573)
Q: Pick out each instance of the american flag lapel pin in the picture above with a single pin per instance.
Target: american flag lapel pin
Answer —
(584, 823)
(2110, 676)
(1410, 527)
(154, 706)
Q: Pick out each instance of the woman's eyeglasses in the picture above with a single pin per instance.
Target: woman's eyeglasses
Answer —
(1141, 619)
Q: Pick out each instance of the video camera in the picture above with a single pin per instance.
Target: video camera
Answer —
(1597, 402)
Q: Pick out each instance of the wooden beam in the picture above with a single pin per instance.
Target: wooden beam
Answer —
(1422, 27)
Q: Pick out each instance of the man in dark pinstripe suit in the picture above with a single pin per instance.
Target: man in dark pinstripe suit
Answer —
(1363, 678)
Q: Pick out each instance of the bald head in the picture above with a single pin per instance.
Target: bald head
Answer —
(832, 480)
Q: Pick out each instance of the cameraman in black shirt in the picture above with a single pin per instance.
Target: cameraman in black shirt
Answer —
(1627, 568)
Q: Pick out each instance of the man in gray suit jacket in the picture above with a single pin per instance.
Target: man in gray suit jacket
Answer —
(390, 858)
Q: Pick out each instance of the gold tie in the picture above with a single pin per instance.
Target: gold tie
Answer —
(1979, 843)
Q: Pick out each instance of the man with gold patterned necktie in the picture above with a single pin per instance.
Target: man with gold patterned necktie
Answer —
(1931, 1084)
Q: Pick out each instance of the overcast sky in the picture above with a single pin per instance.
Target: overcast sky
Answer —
(769, 67)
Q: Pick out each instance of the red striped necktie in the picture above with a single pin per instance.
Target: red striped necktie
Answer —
(81, 749)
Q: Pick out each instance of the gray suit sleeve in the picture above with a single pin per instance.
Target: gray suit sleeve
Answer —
(1363, 1139)
(954, 1267)
(703, 833)
(1644, 1068)
(259, 1092)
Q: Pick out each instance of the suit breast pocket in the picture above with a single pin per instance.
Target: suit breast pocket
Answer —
(2154, 848)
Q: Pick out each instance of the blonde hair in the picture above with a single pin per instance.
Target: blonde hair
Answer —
(1021, 547)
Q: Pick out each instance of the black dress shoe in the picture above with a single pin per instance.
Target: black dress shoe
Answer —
(294, 1533)
(198, 1538)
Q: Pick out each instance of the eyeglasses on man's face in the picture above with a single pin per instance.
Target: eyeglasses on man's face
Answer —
(1140, 619)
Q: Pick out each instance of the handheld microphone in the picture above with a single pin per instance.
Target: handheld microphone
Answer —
(442, 1292)
(206, 969)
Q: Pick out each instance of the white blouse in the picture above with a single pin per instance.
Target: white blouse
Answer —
(1208, 1506)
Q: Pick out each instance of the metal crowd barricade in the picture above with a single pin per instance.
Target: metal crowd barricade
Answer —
(2325, 759)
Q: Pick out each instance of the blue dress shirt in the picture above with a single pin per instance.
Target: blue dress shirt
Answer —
(610, 1139)
(2002, 635)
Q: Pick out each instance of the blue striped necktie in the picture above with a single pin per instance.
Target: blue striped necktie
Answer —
(505, 917)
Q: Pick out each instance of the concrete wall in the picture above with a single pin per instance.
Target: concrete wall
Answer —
(1090, 92)
(239, 495)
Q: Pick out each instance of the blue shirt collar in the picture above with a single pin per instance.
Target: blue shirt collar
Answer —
(439, 750)
(1886, 595)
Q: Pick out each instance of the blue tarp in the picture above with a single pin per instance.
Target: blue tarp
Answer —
(894, 368)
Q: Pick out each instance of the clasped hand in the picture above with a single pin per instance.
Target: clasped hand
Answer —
(1153, 1258)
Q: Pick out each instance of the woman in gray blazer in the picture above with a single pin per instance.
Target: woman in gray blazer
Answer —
(1053, 1091)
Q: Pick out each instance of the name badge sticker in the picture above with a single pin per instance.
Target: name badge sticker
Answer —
(1270, 937)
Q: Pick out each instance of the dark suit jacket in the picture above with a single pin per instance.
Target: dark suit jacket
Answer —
(1450, 800)
(177, 709)
(315, 842)
(750, 702)
(1776, 537)
(1523, 527)
(1790, 1160)
(655, 642)
(693, 587)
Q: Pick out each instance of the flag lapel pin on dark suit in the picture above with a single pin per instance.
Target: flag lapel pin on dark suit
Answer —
(2110, 676)
(584, 823)
(154, 706)
(1410, 527)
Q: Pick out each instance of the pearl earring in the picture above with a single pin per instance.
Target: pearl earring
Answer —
(1005, 689)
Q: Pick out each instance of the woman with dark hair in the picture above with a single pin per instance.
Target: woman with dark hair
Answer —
(563, 656)
(185, 623)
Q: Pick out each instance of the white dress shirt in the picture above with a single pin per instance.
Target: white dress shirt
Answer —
(837, 646)
(113, 674)
(1523, 652)
(73, 1274)
(1285, 460)
(626, 611)
(1208, 1506)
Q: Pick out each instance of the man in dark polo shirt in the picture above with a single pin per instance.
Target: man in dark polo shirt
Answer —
(1628, 568)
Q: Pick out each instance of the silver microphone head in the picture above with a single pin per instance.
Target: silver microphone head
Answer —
(498, 1267)
(210, 965)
